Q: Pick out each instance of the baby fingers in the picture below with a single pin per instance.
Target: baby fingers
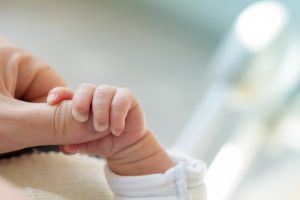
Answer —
(110, 106)
(81, 102)
(121, 104)
(102, 99)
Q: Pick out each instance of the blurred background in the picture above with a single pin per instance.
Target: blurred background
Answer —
(218, 79)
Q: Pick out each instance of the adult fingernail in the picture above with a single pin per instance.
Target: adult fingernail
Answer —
(79, 116)
(51, 98)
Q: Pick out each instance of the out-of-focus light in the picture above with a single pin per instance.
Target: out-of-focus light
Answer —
(229, 167)
(259, 24)
(224, 172)
(288, 132)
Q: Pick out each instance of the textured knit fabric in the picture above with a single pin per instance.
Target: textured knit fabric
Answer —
(54, 176)
(182, 182)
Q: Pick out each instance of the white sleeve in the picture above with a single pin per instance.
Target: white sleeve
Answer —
(185, 181)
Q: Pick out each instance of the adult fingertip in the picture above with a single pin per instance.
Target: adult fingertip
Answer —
(69, 149)
(52, 98)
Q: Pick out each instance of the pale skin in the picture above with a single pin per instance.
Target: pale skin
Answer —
(127, 144)
(97, 120)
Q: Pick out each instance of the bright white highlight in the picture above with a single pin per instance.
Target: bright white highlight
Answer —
(224, 172)
(259, 24)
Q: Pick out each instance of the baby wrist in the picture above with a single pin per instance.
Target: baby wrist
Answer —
(146, 156)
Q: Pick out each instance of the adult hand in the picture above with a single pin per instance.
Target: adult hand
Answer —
(25, 81)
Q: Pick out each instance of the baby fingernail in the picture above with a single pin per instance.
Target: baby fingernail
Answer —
(51, 98)
(117, 132)
(100, 127)
(79, 116)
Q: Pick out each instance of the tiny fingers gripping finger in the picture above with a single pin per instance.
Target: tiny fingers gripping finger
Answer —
(82, 101)
(59, 94)
(102, 98)
(120, 107)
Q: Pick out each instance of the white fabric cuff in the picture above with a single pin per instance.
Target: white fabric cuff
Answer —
(183, 181)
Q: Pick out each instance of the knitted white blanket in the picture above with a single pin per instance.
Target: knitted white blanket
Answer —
(55, 176)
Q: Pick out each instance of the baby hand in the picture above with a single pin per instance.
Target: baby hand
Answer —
(129, 147)
(111, 110)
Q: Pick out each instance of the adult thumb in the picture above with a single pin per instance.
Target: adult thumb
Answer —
(26, 124)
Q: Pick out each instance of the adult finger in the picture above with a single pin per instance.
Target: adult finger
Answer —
(58, 94)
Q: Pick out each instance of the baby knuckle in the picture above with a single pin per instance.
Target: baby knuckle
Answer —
(106, 89)
(86, 86)
(120, 104)
(79, 103)
(80, 107)
(126, 91)
(100, 109)
(128, 94)
(100, 104)
(102, 93)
